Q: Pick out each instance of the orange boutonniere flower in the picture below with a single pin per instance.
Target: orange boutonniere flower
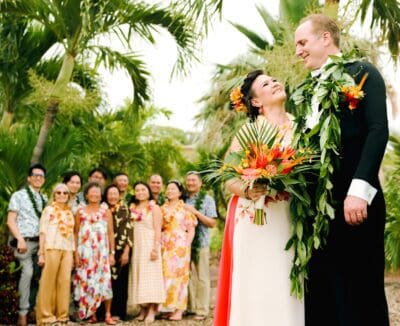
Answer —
(236, 98)
(353, 94)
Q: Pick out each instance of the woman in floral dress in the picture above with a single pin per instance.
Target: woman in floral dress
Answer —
(146, 268)
(178, 232)
(94, 255)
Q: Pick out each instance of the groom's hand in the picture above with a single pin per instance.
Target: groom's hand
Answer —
(355, 210)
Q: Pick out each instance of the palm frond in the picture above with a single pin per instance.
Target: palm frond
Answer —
(251, 133)
(254, 38)
(201, 11)
(292, 11)
(271, 23)
(132, 63)
(385, 15)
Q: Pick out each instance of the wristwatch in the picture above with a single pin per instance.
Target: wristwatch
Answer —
(112, 252)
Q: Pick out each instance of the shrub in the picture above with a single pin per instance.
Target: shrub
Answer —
(9, 285)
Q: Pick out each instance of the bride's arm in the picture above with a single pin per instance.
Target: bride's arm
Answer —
(237, 187)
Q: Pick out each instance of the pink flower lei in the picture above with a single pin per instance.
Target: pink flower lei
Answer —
(137, 215)
(93, 217)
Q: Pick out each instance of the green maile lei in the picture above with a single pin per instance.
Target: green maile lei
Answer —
(196, 244)
(307, 236)
(33, 201)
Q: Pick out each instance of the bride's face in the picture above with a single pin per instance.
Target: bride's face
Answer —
(267, 91)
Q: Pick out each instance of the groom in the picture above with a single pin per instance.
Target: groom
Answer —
(346, 277)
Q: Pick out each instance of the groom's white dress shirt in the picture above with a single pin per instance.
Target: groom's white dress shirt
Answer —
(358, 187)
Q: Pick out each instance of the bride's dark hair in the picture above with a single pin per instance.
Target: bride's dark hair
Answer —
(252, 111)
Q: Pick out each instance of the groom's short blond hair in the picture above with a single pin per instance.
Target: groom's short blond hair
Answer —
(322, 23)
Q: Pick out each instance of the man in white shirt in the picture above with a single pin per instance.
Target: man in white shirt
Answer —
(24, 211)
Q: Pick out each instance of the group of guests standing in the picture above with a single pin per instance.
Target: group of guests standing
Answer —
(149, 249)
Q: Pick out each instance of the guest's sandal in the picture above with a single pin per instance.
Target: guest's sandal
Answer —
(199, 317)
(109, 320)
(175, 317)
(93, 319)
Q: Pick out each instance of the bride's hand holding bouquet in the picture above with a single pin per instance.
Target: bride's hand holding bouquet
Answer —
(265, 166)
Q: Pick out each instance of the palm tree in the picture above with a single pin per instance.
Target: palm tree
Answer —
(22, 47)
(78, 25)
(275, 56)
(62, 150)
(291, 12)
(385, 15)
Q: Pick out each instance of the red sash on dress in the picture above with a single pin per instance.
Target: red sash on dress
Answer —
(223, 296)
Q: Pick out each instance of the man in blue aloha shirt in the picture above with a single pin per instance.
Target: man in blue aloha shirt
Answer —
(24, 211)
(203, 207)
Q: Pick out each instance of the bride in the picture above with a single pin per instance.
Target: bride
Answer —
(254, 284)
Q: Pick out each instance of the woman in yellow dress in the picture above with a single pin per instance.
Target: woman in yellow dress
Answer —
(178, 232)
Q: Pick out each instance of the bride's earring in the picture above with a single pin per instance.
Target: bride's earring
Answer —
(260, 110)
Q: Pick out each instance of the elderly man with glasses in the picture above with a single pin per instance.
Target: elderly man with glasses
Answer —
(24, 211)
(203, 207)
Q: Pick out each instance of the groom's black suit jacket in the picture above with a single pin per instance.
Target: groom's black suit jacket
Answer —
(364, 132)
(346, 276)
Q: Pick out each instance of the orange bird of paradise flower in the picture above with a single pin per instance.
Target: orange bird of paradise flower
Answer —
(354, 94)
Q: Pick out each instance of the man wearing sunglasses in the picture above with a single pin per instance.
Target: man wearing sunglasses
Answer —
(24, 212)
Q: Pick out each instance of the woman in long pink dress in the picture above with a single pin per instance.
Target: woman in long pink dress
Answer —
(94, 256)
(178, 232)
(146, 279)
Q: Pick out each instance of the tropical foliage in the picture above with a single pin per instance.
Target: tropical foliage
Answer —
(117, 141)
(22, 46)
(385, 16)
(80, 26)
(9, 289)
(392, 197)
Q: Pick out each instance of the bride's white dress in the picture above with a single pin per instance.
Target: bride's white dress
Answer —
(260, 286)
(254, 283)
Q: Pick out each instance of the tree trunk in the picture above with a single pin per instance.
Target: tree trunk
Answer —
(44, 131)
(64, 76)
(6, 120)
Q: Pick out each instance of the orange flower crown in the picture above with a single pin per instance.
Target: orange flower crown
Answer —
(236, 98)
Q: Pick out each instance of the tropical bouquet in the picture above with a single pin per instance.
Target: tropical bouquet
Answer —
(263, 159)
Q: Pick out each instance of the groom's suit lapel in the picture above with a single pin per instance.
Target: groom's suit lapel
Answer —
(351, 121)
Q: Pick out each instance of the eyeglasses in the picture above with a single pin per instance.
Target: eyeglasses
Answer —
(38, 175)
(61, 192)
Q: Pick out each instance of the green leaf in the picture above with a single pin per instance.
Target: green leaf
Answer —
(317, 242)
(299, 230)
(254, 37)
(330, 211)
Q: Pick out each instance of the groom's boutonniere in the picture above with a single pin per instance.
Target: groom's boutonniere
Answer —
(353, 94)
